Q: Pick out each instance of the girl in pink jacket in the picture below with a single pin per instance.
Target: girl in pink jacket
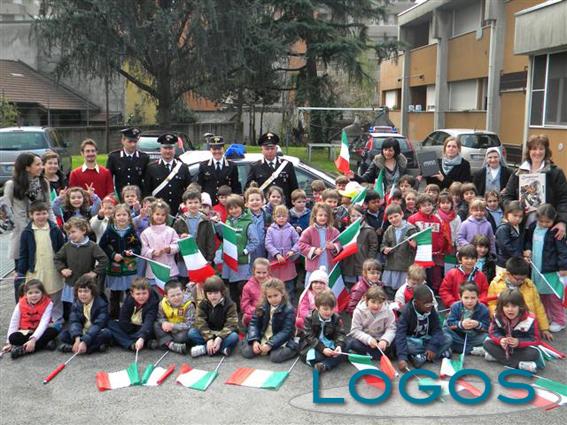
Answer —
(159, 242)
(252, 291)
(318, 282)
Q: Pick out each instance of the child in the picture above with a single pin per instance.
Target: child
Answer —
(76, 202)
(317, 283)
(371, 270)
(222, 194)
(510, 236)
(193, 222)
(159, 241)
(341, 182)
(252, 291)
(331, 198)
(261, 220)
(374, 213)
(275, 197)
(465, 272)
(433, 190)
(468, 317)
(449, 218)
(409, 203)
(317, 188)
(324, 334)
(282, 246)
(78, 256)
(416, 277)
(120, 242)
(397, 259)
(486, 260)
(29, 326)
(142, 221)
(131, 196)
(316, 242)
(100, 221)
(476, 224)
(419, 336)
(299, 214)
(426, 219)
(137, 316)
(513, 334)
(367, 242)
(272, 326)
(39, 242)
(241, 220)
(549, 255)
(406, 183)
(494, 213)
(516, 277)
(468, 191)
(456, 193)
(373, 326)
(216, 324)
(87, 331)
(176, 314)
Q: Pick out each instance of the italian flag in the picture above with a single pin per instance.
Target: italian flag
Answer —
(197, 267)
(343, 161)
(229, 249)
(379, 185)
(362, 362)
(347, 239)
(257, 378)
(153, 379)
(424, 253)
(337, 285)
(161, 273)
(121, 379)
(450, 367)
(359, 198)
(196, 379)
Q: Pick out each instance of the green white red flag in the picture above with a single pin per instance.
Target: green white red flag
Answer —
(424, 252)
(337, 285)
(379, 185)
(229, 246)
(347, 239)
(359, 197)
(197, 267)
(343, 160)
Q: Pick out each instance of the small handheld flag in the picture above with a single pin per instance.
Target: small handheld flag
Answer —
(121, 379)
(153, 373)
(387, 366)
(360, 197)
(197, 379)
(197, 267)
(258, 378)
(58, 369)
(343, 161)
(337, 285)
(161, 271)
(348, 239)
(379, 185)
(553, 281)
(230, 247)
(362, 362)
(450, 367)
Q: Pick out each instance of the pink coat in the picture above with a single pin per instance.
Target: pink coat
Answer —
(305, 306)
(281, 240)
(309, 241)
(158, 237)
(251, 294)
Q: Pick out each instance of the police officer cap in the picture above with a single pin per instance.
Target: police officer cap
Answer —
(131, 132)
(167, 139)
(268, 139)
(216, 141)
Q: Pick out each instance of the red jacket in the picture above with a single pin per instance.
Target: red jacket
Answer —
(422, 222)
(30, 314)
(449, 289)
(101, 180)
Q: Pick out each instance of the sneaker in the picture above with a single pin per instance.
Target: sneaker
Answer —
(556, 327)
(226, 352)
(153, 344)
(529, 366)
(65, 348)
(418, 360)
(198, 350)
(102, 348)
(17, 352)
(446, 354)
(489, 358)
(320, 367)
(177, 347)
(478, 351)
(51, 345)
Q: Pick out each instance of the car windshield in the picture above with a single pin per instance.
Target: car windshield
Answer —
(377, 145)
(479, 141)
(148, 144)
(22, 141)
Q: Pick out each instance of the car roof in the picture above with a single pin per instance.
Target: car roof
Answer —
(157, 133)
(23, 129)
(459, 131)
(395, 135)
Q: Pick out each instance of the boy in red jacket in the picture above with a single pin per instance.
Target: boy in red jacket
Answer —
(465, 272)
(424, 219)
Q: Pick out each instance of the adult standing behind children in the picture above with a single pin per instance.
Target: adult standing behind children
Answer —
(494, 174)
(128, 165)
(452, 167)
(90, 173)
(218, 171)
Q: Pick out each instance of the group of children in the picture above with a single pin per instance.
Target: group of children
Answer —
(88, 285)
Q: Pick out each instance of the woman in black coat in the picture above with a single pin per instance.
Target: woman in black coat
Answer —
(494, 174)
(453, 167)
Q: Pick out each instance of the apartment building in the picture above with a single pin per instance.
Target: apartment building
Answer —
(475, 64)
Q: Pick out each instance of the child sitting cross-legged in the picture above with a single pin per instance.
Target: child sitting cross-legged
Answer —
(216, 325)
(324, 339)
(272, 325)
(419, 336)
(469, 318)
(87, 331)
(176, 314)
(373, 325)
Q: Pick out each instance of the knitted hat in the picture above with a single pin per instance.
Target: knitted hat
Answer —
(319, 275)
(206, 199)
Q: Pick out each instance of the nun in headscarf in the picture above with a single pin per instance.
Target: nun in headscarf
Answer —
(494, 174)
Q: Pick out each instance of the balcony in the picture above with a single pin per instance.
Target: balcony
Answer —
(423, 63)
(468, 57)
(391, 74)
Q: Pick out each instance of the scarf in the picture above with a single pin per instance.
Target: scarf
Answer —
(392, 176)
(447, 217)
(35, 191)
(448, 164)
(509, 326)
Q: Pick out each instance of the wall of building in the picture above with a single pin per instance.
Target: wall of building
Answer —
(475, 120)
(468, 56)
(420, 124)
(512, 62)
(390, 74)
(423, 65)
(512, 118)
(17, 43)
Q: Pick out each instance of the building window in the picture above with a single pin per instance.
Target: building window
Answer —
(468, 95)
(466, 18)
(548, 105)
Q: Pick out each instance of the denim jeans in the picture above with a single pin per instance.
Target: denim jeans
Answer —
(120, 336)
(101, 338)
(474, 339)
(329, 362)
(417, 345)
(358, 347)
(195, 338)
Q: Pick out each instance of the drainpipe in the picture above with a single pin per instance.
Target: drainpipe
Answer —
(495, 14)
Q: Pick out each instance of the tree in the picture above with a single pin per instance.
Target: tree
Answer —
(8, 113)
(164, 47)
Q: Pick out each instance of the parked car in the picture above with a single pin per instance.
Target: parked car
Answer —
(473, 144)
(370, 144)
(305, 174)
(148, 143)
(15, 140)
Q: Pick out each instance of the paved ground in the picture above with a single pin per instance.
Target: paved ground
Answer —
(73, 398)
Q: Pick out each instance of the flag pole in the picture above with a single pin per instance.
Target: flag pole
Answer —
(161, 358)
(219, 365)
(409, 238)
(136, 358)
(59, 369)
(293, 365)
(533, 374)
(544, 279)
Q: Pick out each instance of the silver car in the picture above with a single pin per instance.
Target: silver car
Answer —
(473, 144)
